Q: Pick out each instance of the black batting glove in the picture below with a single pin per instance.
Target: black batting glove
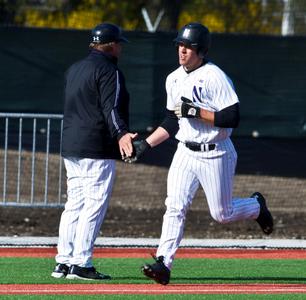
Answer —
(186, 109)
(139, 148)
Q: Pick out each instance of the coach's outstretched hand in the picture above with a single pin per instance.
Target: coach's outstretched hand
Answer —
(186, 109)
(126, 144)
(139, 148)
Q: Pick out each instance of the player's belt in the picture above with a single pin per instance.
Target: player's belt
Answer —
(200, 147)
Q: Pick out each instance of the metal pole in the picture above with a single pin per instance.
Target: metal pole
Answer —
(19, 159)
(288, 18)
(33, 161)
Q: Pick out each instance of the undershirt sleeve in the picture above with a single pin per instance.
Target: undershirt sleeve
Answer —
(228, 117)
(170, 122)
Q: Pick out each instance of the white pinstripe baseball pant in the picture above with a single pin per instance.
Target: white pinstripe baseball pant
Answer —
(214, 171)
(89, 187)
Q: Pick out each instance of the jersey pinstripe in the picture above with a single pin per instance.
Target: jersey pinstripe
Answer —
(209, 88)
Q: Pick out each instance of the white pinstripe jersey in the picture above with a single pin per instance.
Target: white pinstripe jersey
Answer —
(209, 88)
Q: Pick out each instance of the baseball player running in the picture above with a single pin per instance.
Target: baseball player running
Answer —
(202, 110)
(95, 133)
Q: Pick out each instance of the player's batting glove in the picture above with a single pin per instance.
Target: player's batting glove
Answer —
(187, 109)
(140, 147)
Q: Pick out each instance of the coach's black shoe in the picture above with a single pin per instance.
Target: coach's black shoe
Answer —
(264, 219)
(76, 272)
(157, 271)
(60, 271)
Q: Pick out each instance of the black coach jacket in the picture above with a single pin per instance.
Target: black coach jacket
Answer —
(96, 109)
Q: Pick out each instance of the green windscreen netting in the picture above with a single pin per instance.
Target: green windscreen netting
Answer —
(268, 72)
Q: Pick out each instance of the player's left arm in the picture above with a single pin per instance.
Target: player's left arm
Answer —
(228, 117)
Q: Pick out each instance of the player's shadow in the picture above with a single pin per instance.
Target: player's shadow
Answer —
(216, 280)
(194, 280)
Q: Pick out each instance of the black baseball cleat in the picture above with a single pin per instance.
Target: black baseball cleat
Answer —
(60, 271)
(264, 219)
(76, 272)
(157, 271)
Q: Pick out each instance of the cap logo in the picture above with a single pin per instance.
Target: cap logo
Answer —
(186, 33)
(96, 38)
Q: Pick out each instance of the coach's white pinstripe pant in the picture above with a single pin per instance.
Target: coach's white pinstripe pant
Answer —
(214, 171)
(89, 187)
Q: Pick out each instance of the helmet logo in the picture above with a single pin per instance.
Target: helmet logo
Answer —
(96, 38)
(186, 33)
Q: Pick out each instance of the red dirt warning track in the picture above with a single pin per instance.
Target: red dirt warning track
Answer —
(181, 253)
(150, 289)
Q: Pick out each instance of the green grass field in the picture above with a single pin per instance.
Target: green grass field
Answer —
(191, 271)
(188, 271)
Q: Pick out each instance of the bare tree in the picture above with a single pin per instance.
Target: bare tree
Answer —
(8, 11)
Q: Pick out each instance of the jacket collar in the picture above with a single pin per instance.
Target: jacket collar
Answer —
(95, 52)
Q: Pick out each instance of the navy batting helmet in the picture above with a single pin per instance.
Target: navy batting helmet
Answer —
(194, 35)
(106, 33)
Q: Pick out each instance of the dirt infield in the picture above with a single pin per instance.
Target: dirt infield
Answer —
(137, 205)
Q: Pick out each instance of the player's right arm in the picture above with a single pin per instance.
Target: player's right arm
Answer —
(169, 125)
(157, 137)
(167, 128)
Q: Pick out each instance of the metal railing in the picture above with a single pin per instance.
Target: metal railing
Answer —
(30, 159)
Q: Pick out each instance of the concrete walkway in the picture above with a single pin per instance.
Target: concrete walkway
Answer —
(145, 242)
